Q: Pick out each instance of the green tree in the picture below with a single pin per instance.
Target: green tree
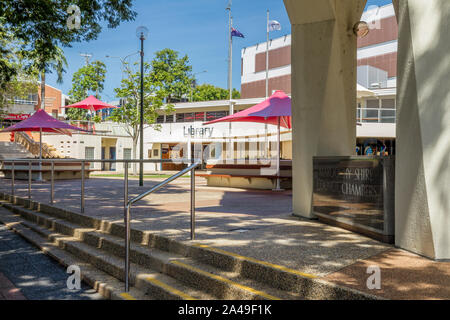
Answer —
(89, 79)
(44, 65)
(129, 112)
(171, 75)
(43, 25)
(16, 81)
(209, 92)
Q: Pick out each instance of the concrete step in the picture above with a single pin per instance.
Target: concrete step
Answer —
(220, 284)
(152, 285)
(200, 261)
(108, 286)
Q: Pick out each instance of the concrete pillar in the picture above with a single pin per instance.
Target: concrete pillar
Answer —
(422, 191)
(323, 87)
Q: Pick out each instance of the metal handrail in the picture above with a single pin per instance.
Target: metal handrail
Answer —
(127, 216)
(29, 161)
(31, 141)
(127, 203)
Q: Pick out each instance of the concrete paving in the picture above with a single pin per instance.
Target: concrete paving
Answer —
(256, 224)
(27, 273)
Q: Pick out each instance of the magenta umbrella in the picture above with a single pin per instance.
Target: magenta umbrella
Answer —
(275, 110)
(41, 121)
(276, 107)
(91, 103)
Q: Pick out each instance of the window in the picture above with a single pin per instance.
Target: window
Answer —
(200, 116)
(127, 155)
(388, 103)
(180, 117)
(89, 154)
(373, 104)
(160, 119)
(169, 118)
(210, 116)
(189, 117)
(155, 152)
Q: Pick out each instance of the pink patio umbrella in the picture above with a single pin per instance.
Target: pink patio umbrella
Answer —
(41, 121)
(91, 103)
(275, 110)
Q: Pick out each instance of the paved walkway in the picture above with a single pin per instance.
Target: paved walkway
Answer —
(8, 291)
(256, 224)
(27, 273)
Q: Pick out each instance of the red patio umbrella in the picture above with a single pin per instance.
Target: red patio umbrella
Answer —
(41, 121)
(274, 110)
(91, 103)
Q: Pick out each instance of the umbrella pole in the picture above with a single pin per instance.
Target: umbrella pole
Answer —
(278, 186)
(40, 154)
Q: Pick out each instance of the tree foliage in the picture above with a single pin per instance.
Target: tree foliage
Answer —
(42, 25)
(209, 92)
(129, 91)
(89, 79)
(171, 75)
(15, 80)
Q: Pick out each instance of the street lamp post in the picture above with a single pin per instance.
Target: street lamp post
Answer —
(142, 33)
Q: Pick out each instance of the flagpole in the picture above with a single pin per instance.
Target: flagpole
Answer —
(230, 70)
(267, 83)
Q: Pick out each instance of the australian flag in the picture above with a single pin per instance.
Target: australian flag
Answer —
(236, 33)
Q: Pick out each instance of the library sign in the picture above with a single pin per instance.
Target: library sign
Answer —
(205, 132)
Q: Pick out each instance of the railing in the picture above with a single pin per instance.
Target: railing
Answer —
(31, 145)
(127, 203)
(127, 215)
(376, 115)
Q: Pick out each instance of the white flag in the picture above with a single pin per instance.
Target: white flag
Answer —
(274, 25)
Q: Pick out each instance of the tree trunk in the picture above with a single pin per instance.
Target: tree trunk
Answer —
(135, 143)
(42, 102)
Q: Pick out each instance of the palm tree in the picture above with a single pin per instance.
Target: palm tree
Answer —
(58, 63)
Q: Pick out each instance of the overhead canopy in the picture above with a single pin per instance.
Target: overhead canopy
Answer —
(91, 103)
(41, 121)
(268, 111)
(363, 92)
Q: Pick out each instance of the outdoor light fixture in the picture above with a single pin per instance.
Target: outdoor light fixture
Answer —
(361, 29)
(142, 33)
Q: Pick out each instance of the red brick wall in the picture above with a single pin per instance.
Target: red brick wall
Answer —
(277, 58)
(387, 32)
(52, 99)
(257, 89)
(387, 62)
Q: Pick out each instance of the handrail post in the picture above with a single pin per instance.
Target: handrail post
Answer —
(52, 183)
(193, 204)
(30, 172)
(125, 187)
(12, 178)
(127, 248)
(82, 186)
(127, 229)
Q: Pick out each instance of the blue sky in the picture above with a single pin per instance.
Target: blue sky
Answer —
(197, 28)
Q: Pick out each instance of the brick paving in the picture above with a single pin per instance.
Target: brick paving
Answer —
(27, 273)
(8, 291)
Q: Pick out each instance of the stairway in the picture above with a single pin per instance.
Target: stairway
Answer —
(13, 150)
(161, 268)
